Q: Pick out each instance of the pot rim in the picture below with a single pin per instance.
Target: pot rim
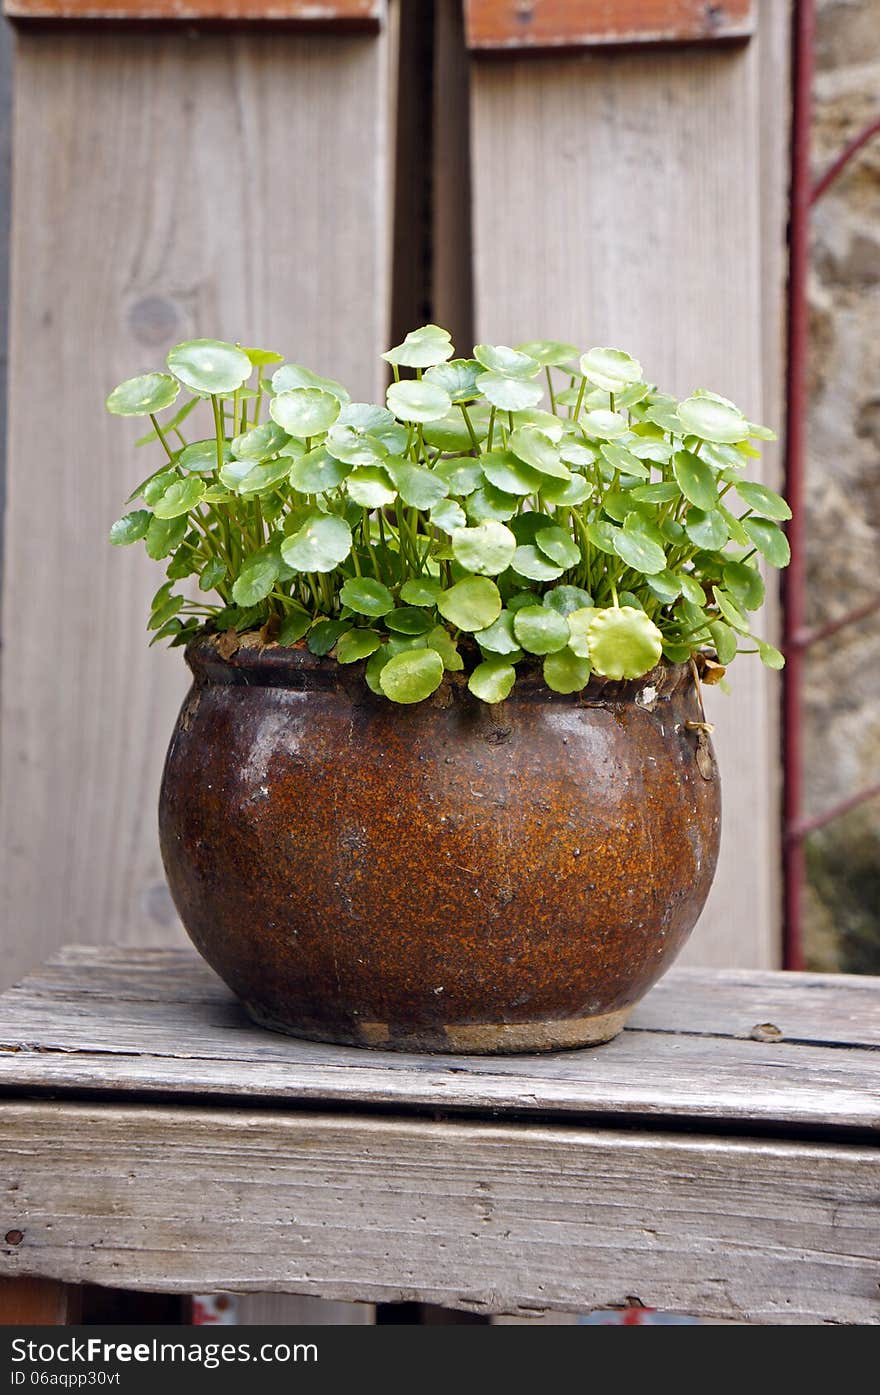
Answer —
(254, 662)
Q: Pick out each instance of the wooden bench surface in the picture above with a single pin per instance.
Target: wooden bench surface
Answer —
(702, 1046)
(719, 1158)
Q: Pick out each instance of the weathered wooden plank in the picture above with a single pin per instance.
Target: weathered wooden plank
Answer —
(625, 199)
(502, 25)
(332, 14)
(247, 201)
(159, 1022)
(487, 1217)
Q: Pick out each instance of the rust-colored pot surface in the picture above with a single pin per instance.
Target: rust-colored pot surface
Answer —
(442, 877)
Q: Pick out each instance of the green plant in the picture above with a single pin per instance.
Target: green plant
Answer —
(464, 527)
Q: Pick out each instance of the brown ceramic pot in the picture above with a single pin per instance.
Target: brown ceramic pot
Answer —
(443, 877)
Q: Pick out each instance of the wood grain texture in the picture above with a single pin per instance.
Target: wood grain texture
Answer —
(488, 1217)
(38, 1303)
(502, 25)
(332, 14)
(658, 227)
(165, 186)
(158, 1022)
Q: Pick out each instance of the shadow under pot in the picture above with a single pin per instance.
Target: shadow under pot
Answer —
(448, 876)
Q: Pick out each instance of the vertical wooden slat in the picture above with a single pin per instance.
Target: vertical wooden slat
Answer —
(629, 200)
(452, 255)
(165, 186)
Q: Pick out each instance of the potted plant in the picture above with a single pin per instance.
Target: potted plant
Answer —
(443, 780)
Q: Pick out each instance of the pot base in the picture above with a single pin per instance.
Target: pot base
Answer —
(470, 1039)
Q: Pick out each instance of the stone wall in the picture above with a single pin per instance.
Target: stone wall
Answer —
(843, 675)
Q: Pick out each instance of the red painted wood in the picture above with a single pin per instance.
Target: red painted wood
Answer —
(38, 1303)
(334, 14)
(496, 25)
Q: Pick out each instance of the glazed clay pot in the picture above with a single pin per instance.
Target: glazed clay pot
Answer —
(442, 877)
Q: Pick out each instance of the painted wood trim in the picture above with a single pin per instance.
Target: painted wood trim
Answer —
(481, 1216)
(38, 1302)
(505, 25)
(345, 15)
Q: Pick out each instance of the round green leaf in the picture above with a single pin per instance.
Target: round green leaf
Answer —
(566, 599)
(623, 642)
(420, 590)
(707, 529)
(411, 676)
(209, 366)
(294, 625)
(492, 680)
(566, 672)
(262, 358)
(610, 369)
(461, 475)
(603, 425)
(569, 494)
(324, 635)
(696, 480)
(770, 541)
(624, 461)
(537, 449)
(179, 497)
(164, 536)
(366, 597)
(472, 604)
(498, 638)
(450, 434)
(265, 476)
(486, 549)
(447, 516)
(559, 546)
(661, 493)
(579, 622)
(763, 500)
(745, 584)
(257, 444)
(530, 562)
(212, 573)
(731, 612)
(440, 639)
(317, 472)
(356, 644)
(550, 353)
(713, 419)
(665, 585)
(512, 476)
(200, 457)
(422, 348)
(409, 620)
(138, 397)
(130, 528)
(540, 630)
(370, 487)
(638, 551)
(691, 589)
(418, 401)
(725, 641)
(418, 488)
(319, 546)
(770, 657)
(508, 393)
(490, 503)
(509, 363)
(294, 375)
(354, 445)
(257, 577)
(458, 378)
(304, 412)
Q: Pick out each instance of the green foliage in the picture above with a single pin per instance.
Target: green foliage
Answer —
(529, 506)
